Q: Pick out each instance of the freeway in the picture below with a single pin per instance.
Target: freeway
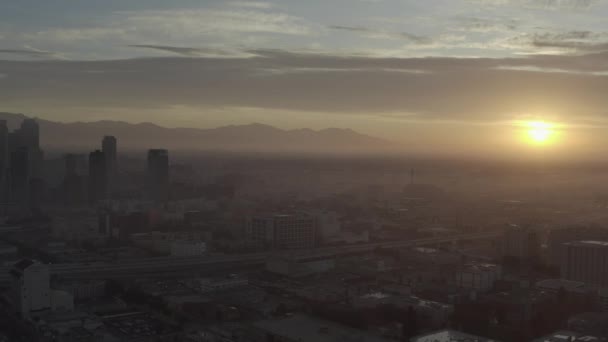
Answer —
(175, 266)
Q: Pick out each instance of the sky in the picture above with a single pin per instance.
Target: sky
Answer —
(434, 75)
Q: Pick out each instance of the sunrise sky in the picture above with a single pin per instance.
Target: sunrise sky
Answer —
(435, 75)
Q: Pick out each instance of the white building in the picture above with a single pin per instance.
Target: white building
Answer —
(30, 287)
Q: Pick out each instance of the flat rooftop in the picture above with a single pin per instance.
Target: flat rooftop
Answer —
(450, 336)
(589, 243)
(303, 328)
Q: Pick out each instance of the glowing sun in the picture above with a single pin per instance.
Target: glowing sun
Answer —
(540, 132)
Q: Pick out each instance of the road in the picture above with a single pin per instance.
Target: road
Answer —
(174, 266)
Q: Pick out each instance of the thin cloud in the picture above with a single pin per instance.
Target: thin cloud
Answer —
(252, 4)
(336, 84)
(541, 4)
(381, 34)
(30, 53)
(483, 25)
(192, 51)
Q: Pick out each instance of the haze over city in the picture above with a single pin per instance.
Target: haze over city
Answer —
(303, 171)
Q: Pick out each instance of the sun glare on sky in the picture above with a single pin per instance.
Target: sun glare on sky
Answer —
(540, 132)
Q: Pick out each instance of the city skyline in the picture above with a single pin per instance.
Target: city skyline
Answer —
(303, 171)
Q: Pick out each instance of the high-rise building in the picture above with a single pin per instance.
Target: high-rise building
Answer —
(74, 183)
(585, 261)
(282, 231)
(4, 160)
(29, 134)
(20, 173)
(158, 174)
(98, 176)
(25, 163)
(108, 146)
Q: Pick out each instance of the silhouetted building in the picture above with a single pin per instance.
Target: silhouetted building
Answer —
(585, 261)
(29, 134)
(108, 146)
(20, 175)
(74, 184)
(158, 174)
(25, 164)
(98, 176)
(4, 160)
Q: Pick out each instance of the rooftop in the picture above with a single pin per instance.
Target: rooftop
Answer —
(556, 284)
(568, 336)
(450, 336)
(589, 243)
(304, 328)
(23, 264)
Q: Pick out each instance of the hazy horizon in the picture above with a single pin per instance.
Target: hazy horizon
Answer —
(453, 77)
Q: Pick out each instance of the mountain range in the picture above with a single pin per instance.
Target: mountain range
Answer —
(85, 136)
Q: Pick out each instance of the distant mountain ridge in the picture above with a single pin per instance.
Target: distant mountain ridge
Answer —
(84, 136)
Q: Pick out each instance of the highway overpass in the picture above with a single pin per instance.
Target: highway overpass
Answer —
(183, 266)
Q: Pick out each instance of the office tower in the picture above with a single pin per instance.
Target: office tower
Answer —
(4, 160)
(74, 183)
(20, 174)
(23, 157)
(98, 176)
(158, 174)
(108, 146)
(586, 261)
(282, 231)
(29, 134)
(30, 287)
(520, 243)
